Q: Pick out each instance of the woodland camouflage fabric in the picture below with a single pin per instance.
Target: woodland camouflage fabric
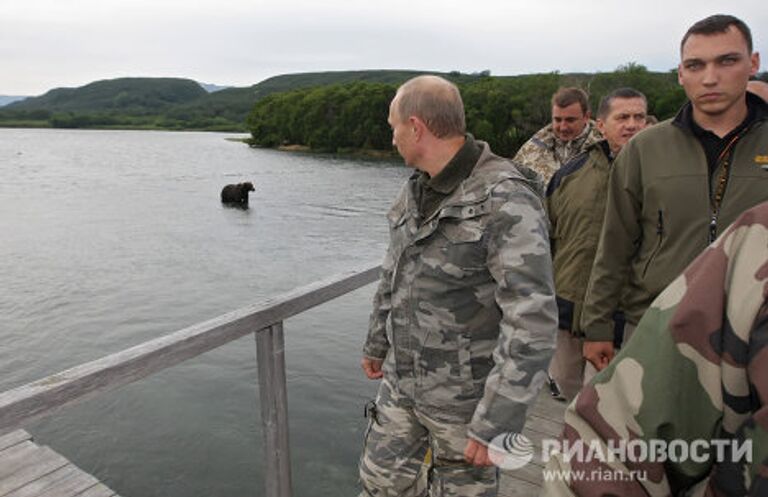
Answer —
(545, 154)
(465, 310)
(696, 368)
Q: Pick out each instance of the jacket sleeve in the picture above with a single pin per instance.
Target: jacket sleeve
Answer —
(376, 343)
(619, 237)
(709, 331)
(550, 204)
(519, 261)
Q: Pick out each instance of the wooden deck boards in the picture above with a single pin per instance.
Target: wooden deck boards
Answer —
(545, 420)
(29, 470)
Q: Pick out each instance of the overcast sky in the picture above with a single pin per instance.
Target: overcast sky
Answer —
(46, 44)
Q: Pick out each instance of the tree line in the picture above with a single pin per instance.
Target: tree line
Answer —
(504, 111)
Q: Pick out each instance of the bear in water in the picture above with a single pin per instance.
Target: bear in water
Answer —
(237, 194)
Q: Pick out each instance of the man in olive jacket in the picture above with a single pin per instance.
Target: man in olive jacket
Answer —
(575, 201)
(464, 317)
(678, 184)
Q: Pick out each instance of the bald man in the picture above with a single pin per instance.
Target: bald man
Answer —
(464, 317)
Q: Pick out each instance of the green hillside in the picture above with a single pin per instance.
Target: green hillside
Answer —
(234, 104)
(174, 103)
(128, 95)
(504, 111)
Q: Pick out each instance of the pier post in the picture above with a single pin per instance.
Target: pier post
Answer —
(273, 394)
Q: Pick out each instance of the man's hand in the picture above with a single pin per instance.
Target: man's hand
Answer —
(476, 453)
(598, 353)
(372, 368)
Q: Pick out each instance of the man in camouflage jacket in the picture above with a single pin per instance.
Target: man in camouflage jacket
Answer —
(570, 133)
(464, 316)
(697, 369)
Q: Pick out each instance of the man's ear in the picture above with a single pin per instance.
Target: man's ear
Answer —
(755, 61)
(418, 126)
(600, 124)
(680, 74)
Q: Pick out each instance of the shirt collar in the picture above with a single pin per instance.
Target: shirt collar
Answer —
(457, 170)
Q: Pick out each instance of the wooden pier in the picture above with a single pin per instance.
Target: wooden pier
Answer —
(27, 470)
(544, 420)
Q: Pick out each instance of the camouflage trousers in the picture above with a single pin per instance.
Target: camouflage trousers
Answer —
(396, 443)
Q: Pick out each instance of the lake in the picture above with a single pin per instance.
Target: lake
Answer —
(113, 238)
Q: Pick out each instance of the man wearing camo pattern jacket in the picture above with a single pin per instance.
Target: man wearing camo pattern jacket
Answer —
(697, 369)
(464, 316)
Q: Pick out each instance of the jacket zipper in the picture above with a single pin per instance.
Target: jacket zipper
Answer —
(716, 198)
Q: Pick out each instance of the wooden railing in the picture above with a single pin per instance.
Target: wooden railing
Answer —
(265, 319)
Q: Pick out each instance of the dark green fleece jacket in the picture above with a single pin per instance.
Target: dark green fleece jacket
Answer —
(664, 208)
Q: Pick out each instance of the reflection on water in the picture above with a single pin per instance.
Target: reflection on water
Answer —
(112, 238)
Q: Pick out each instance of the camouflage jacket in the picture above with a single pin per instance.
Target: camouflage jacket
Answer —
(465, 310)
(545, 154)
(696, 368)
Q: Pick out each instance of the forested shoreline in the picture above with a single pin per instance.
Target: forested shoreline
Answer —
(504, 111)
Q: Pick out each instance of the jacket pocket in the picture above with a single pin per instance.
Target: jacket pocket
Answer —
(398, 232)
(462, 244)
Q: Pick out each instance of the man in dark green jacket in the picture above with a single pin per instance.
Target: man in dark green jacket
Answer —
(575, 202)
(678, 184)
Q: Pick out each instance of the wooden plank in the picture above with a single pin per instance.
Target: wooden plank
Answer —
(546, 401)
(36, 399)
(15, 457)
(530, 473)
(33, 466)
(548, 410)
(98, 490)
(74, 485)
(273, 393)
(544, 425)
(51, 480)
(13, 438)
(510, 486)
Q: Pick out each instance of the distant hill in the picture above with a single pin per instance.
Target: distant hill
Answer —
(9, 99)
(235, 103)
(211, 88)
(171, 103)
(127, 95)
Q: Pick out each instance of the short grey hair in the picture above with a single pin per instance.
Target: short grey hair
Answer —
(434, 100)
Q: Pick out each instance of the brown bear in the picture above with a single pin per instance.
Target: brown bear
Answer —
(237, 194)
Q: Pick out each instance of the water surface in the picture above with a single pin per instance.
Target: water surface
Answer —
(112, 238)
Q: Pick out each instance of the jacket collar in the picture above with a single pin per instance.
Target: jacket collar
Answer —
(758, 111)
(457, 169)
